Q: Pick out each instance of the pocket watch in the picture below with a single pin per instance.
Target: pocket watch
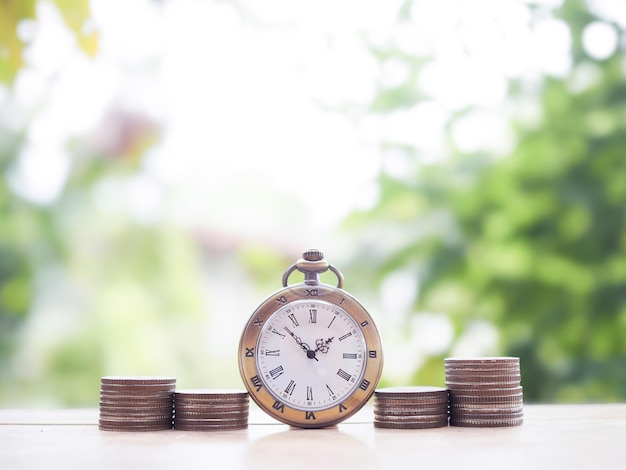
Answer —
(310, 355)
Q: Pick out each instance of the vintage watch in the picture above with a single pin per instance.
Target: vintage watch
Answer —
(310, 355)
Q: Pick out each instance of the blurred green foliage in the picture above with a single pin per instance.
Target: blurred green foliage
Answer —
(28, 238)
(105, 287)
(533, 242)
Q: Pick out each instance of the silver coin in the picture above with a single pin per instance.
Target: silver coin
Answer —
(411, 425)
(411, 410)
(135, 414)
(461, 397)
(482, 361)
(211, 427)
(137, 380)
(210, 415)
(486, 423)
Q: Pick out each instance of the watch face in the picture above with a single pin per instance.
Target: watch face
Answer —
(310, 357)
(312, 354)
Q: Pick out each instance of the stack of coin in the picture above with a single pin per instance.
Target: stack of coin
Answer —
(136, 403)
(410, 407)
(485, 392)
(211, 410)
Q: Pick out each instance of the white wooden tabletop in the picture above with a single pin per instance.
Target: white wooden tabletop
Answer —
(552, 437)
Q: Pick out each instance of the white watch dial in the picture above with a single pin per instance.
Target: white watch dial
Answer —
(311, 354)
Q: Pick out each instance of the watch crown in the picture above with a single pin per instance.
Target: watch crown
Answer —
(313, 255)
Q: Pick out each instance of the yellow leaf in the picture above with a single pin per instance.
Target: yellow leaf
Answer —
(77, 16)
(11, 13)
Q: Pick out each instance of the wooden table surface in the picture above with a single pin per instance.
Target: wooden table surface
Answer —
(552, 436)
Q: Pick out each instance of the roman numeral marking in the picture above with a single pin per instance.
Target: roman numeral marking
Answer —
(256, 382)
(279, 406)
(309, 415)
(274, 330)
(341, 338)
(349, 355)
(292, 317)
(342, 408)
(272, 352)
(372, 354)
(249, 352)
(364, 384)
(277, 372)
(312, 315)
(343, 374)
(290, 388)
(309, 393)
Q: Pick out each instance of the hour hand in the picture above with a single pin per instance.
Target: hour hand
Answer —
(321, 345)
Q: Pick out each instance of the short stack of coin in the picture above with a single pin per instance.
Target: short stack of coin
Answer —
(485, 392)
(410, 407)
(211, 410)
(129, 403)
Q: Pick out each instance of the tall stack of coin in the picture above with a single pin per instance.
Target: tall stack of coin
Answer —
(211, 410)
(485, 392)
(410, 407)
(129, 403)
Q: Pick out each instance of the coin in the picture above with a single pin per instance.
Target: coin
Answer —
(137, 380)
(411, 409)
(485, 378)
(411, 425)
(139, 428)
(409, 417)
(136, 406)
(137, 399)
(481, 392)
(463, 397)
(486, 423)
(212, 415)
(212, 403)
(479, 368)
(487, 413)
(484, 388)
(138, 386)
(132, 419)
(482, 361)
(211, 427)
(486, 406)
(132, 413)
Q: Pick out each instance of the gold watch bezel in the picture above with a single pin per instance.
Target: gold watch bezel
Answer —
(255, 383)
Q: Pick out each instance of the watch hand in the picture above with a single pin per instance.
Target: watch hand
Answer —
(305, 347)
(322, 346)
(297, 338)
